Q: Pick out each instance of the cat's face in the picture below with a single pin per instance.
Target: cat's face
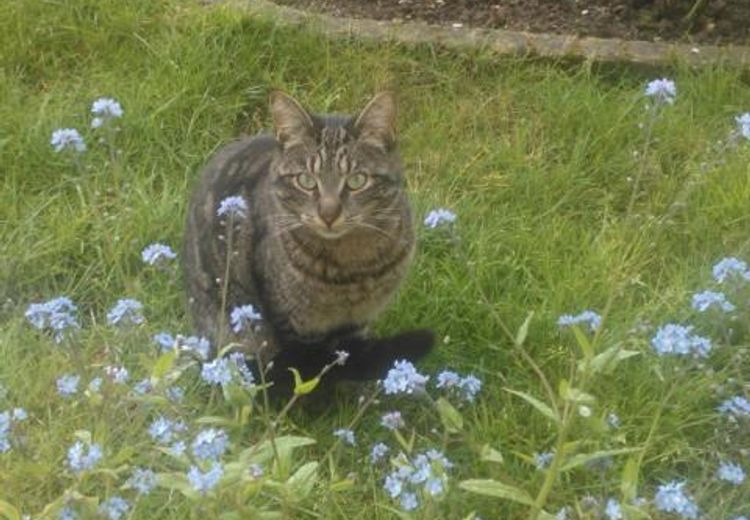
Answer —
(337, 175)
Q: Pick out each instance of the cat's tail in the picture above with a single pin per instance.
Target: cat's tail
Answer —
(369, 358)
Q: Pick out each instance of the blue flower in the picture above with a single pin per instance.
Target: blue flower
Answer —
(234, 206)
(409, 501)
(731, 473)
(588, 317)
(255, 470)
(105, 109)
(439, 216)
(735, 407)
(163, 430)
(67, 385)
(118, 375)
(378, 451)
(177, 449)
(671, 498)
(612, 510)
(82, 457)
(210, 444)
(175, 394)
(468, 387)
(142, 480)
(243, 317)
(164, 340)
(393, 485)
(143, 387)
(95, 385)
(114, 508)
(19, 414)
(5, 424)
(346, 436)
(67, 138)
(674, 339)
(157, 254)
(661, 90)
(203, 482)
(57, 315)
(702, 301)
(543, 459)
(730, 267)
(217, 372)
(613, 420)
(199, 345)
(67, 513)
(448, 379)
(126, 312)
(238, 358)
(403, 378)
(392, 420)
(743, 124)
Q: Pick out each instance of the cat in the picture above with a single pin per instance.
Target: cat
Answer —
(325, 240)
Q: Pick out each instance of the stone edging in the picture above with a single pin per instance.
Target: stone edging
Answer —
(505, 42)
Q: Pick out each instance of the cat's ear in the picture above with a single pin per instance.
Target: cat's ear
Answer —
(376, 124)
(292, 124)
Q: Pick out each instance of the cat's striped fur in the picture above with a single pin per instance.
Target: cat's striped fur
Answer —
(327, 241)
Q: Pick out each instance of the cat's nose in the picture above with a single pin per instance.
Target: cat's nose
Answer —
(329, 209)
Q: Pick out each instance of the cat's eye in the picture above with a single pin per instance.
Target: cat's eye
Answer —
(306, 181)
(356, 181)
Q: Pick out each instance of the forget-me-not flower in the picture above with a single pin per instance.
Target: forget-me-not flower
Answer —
(203, 482)
(612, 510)
(217, 372)
(233, 206)
(163, 430)
(210, 444)
(126, 311)
(105, 109)
(67, 385)
(671, 498)
(114, 508)
(118, 375)
(702, 301)
(392, 420)
(743, 124)
(164, 340)
(731, 473)
(196, 344)
(157, 254)
(143, 480)
(543, 459)
(674, 339)
(378, 451)
(57, 315)
(439, 216)
(67, 138)
(730, 267)
(346, 436)
(661, 91)
(403, 378)
(83, 456)
(243, 317)
(588, 317)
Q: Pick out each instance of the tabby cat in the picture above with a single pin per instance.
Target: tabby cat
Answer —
(326, 239)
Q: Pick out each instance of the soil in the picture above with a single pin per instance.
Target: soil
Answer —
(687, 21)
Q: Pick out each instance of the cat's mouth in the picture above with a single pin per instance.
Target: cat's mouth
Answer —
(330, 233)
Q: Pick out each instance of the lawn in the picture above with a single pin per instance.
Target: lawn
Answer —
(573, 190)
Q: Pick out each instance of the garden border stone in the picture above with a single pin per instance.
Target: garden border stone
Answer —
(501, 41)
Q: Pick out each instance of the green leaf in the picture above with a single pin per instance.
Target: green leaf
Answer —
(541, 407)
(629, 480)
(342, 485)
(523, 330)
(164, 364)
(177, 482)
(263, 452)
(490, 454)
(301, 483)
(451, 418)
(497, 489)
(607, 361)
(583, 458)
(574, 395)
(583, 342)
(8, 511)
(303, 387)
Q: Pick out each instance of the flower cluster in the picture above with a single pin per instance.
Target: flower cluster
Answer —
(346, 436)
(205, 481)
(702, 301)
(67, 385)
(118, 375)
(210, 444)
(232, 207)
(243, 317)
(198, 345)
(439, 216)
(466, 387)
(671, 498)
(674, 339)
(126, 312)
(57, 316)
(7, 420)
(403, 378)
(67, 139)
(114, 508)
(743, 124)
(661, 91)
(426, 474)
(105, 109)
(730, 268)
(732, 473)
(588, 317)
(217, 372)
(157, 254)
(164, 430)
(83, 456)
(735, 407)
(392, 420)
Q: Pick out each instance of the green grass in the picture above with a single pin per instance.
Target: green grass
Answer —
(537, 160)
